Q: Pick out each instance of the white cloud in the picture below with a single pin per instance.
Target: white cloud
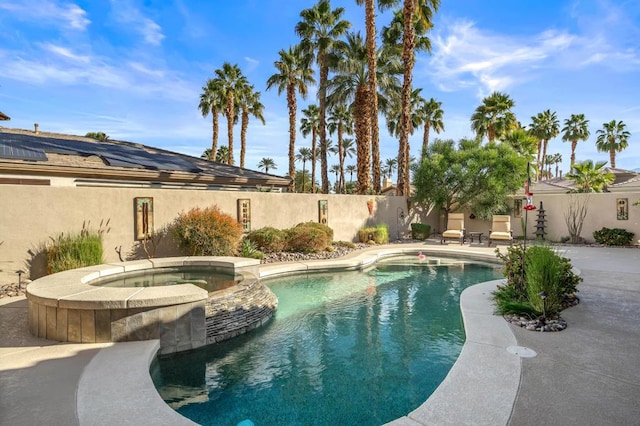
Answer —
(126, 13)
(52, 13)
(65, 52)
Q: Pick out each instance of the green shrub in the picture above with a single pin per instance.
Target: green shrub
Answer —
(613, 237)
(514, 296)
(207, 232)
(347, 244)
(543, 273)
(320, 227)
(249, 249)
(420, 231)
(307, 238)
(71, 251)
(268, 239)
(379, 234)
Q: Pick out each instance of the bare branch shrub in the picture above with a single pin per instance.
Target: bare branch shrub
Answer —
(575, 215)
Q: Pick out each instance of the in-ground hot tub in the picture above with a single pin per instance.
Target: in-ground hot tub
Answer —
(83, 305)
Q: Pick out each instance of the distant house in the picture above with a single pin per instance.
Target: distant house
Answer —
(625, 181)
(41, 158)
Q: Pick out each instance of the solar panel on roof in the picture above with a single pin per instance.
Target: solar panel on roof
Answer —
(28, 147)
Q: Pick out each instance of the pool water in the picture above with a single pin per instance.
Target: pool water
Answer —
(208, 279)
(347, 348)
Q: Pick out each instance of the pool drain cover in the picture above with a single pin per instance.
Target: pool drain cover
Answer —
(522, 351)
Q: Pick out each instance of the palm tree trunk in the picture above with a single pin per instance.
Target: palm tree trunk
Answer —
(612, 158)
(425, 139)
(544, 156)
(230, 128)
(214, 137)
(243, 135)
(322, 93)
(574, 145)
(340, 180)
(370, 20)
(408, 45)
(291, 102)
(363, 135)
(314, 136)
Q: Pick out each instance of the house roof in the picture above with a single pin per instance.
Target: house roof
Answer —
(625, 180)
(4, 117)
(52, 154)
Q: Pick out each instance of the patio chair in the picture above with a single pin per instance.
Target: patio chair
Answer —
(455, 228)
(501, 229)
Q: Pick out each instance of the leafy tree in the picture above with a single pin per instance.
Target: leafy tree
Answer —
(294, 74)
(310, 124)
(576, 128)
(590, 177)
(212, 102)
(494, 118)
(267, 164)
(304, 155)
(100, 136)
(469, 175)
(612, 138)
(231, 83)
(544, 126)
(320, 29)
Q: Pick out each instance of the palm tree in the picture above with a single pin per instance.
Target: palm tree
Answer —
(320, 29)
(557, 159)
(394, 113)
(294, 73)
(422, 10)
(430, 113)
(576, 128)
(590, 177)
(208, 154)
(212, 102)
(302, 179)
(250, 104)
(340, 122)
(267, 164)
(304, 155)
(351, 169)
(494, 118)
(223, 155)
(231, 81)
(335, 169)
(544, 126)
(390, 166)
(612, 138)
(310, 123)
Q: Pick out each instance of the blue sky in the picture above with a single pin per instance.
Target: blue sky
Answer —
(135, 69)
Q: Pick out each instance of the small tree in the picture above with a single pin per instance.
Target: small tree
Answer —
(575, 215)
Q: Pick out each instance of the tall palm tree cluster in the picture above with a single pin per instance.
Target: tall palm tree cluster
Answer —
(361, 79)
(357, 82)
(495, 120)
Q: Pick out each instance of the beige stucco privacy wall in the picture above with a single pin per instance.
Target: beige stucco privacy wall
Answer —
(30, 215)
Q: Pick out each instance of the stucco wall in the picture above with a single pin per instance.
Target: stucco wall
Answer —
(30, 215)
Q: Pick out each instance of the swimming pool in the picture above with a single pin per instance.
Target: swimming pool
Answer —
(343, 348)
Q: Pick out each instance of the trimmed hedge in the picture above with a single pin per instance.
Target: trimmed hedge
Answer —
(613, 237)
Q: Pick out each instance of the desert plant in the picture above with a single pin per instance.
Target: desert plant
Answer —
(249, 249)
(613, 237)
(268, 239)
(420, 231)
(207, 232)
(307, 238)
(575, 215)
(379, 234)
(543, 278)
(71, 251)
(320, 227)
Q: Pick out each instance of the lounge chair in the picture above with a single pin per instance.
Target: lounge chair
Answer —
(455, 228)
(501, 229)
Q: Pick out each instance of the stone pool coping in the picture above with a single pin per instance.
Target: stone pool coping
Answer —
(468, 395)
